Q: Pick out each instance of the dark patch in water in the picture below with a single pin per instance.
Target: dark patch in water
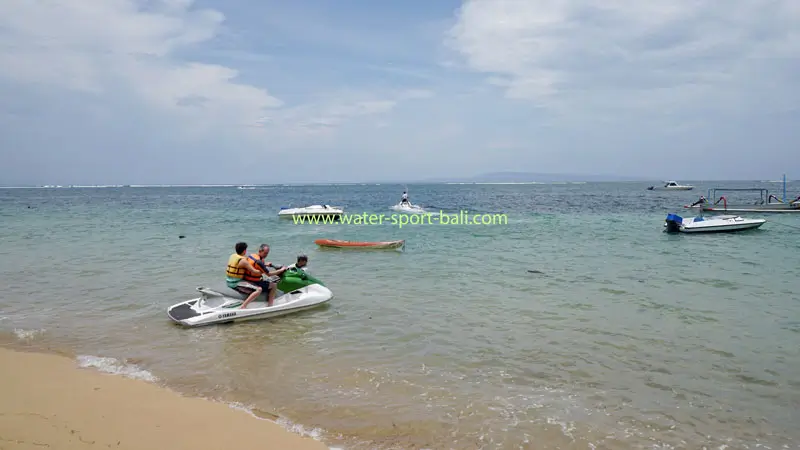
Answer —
(720, 352)
(655, 385)
(613, 291)
(791, 326)
(753, 380)
(265, 414)
(692, 319)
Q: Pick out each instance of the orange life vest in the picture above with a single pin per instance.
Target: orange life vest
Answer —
(253, 259)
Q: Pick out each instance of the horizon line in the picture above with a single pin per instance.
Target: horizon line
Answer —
(345, 183)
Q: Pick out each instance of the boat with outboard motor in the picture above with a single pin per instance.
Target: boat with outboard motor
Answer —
(298, 291)
(409, 208)
(677, 224)
(312, 211)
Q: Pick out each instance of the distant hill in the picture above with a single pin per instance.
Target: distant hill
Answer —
(526, 177)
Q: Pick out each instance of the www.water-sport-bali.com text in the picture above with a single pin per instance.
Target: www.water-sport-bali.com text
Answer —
(400, 220)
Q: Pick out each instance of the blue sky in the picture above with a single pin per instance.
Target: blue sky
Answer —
(243, 91)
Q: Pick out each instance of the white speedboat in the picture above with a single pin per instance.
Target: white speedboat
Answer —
(673, 186)
(678, 224)
(297, 291)
(312, 211)
(409, 208)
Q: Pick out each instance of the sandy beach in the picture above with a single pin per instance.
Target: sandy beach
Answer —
(46, 401)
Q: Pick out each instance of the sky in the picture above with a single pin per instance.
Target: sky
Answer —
(266, 91)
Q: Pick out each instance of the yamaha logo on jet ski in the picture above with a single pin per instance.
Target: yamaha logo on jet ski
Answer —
(222, 316)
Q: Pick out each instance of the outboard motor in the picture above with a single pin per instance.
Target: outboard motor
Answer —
(674, 222)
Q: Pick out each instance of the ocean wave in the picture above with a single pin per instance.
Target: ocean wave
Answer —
(27, 335)
(296, 428)
(116, 367)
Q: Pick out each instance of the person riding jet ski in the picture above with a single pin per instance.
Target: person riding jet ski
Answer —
(404, 201)
(247, 277)
(302, 261)
(268, 280)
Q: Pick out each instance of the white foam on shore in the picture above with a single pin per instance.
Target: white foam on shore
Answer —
(116, 367)
(27, 335)
(314, 433)
(288, 425)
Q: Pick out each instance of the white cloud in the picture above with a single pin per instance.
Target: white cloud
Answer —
(628, 53)
(125, 90)
(131, 49)
(123, 47)
(304, 122)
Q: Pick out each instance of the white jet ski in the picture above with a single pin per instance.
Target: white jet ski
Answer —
(297, 291)
(677, 224)
(409, 208)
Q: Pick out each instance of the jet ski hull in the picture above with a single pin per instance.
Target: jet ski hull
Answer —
(409, 208)
(213, 307)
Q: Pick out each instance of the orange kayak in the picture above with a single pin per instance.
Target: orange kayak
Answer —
(335, 243)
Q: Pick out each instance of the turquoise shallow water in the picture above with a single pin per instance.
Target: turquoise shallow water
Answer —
(627, 338)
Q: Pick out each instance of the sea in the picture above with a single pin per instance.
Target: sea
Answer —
(567, 319)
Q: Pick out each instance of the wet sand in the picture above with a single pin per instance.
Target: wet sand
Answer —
(46, 401)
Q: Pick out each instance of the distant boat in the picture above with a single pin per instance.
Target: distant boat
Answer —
(335, 243)
(673, 186)
(312, 211)
(767, 203)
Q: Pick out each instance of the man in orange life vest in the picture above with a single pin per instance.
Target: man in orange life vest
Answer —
(244, 276)
(257, 261)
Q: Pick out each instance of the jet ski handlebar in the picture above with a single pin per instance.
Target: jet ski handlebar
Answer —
(276, 278)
